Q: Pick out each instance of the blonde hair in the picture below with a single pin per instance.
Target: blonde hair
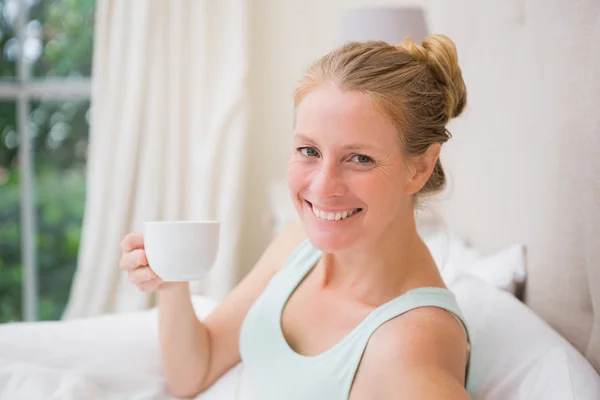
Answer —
(418, 86)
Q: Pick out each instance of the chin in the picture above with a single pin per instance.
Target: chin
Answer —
(328, 243)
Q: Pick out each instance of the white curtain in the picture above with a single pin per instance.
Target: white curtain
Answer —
(168, 128)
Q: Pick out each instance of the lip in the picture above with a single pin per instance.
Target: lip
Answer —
(325, 221)
(333, 210)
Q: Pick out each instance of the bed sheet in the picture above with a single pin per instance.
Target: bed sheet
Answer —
(105, 357)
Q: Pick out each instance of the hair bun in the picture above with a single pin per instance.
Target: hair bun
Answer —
(439, 52)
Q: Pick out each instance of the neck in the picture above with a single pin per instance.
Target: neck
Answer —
(381, 269)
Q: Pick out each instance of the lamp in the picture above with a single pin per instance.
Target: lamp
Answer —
(390, 24)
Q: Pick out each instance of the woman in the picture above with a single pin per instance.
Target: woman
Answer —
(347, 302)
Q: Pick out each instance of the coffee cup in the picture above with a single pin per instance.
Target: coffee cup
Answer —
(181, 250)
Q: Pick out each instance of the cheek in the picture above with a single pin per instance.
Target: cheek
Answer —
(372, 190)
(381, 190)
(366, 186)
(297, 176)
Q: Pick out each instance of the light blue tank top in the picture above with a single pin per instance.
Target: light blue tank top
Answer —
(278, 372)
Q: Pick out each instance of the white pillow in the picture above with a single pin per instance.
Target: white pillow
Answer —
(504, 270)
(515, 354)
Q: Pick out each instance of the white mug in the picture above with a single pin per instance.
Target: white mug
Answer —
(181, 250)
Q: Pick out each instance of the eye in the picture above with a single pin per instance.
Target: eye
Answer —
(362, 159)
(308, 151)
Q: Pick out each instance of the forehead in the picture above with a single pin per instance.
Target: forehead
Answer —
(329, 112)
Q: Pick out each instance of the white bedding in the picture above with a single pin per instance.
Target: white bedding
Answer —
(108, 357)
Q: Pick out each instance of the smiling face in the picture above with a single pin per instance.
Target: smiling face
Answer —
(347, 174)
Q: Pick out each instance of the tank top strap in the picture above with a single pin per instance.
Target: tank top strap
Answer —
(413, 299)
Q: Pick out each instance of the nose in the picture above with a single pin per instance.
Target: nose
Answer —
(328, 181)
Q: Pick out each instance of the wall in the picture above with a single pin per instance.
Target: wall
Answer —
(525, 159)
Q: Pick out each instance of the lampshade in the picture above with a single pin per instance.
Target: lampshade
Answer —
(390, 24)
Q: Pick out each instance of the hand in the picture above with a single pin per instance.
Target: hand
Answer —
(134, 261)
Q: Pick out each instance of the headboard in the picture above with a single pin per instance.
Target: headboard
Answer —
(524, 162)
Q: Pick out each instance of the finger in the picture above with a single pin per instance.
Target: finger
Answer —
(134, 259)
(151, 285)
(140, 275)
(132, 241)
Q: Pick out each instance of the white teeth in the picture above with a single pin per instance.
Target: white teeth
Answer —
(331, 216)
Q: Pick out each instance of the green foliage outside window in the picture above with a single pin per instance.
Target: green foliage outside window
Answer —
(59, 133)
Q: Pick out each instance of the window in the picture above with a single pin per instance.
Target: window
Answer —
(45, 69)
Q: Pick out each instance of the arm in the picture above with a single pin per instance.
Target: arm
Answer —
(419, 355)
(194, 353)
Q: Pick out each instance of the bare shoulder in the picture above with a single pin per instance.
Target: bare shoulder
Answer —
(423, 352)
(429, 334)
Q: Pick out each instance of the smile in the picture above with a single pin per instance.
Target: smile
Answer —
(333, 215)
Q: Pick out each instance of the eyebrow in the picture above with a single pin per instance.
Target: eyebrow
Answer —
(351, 146)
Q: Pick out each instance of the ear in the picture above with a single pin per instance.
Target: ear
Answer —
(421, 168)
